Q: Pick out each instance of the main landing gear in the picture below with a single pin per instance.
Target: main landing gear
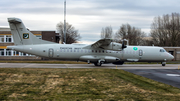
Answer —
(99, 63)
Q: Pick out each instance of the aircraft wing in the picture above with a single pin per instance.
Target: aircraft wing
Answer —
(101, 43)
(105, 44)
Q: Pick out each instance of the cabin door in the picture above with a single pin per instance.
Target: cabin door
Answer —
(140, 53)
(51, 52)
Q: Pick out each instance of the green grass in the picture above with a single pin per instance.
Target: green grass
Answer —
(81, 84)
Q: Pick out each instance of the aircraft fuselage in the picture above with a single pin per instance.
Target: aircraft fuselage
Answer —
(77, 53)
(102, 51)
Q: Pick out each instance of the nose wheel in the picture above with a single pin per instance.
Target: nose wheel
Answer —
(163, 63)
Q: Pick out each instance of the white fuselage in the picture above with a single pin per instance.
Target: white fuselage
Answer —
(102, 51)
(77, 53)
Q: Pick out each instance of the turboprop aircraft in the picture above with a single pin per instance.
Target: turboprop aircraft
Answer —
(101, 52)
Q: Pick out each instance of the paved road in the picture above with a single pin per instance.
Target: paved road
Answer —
(168, 74)
(125, 66)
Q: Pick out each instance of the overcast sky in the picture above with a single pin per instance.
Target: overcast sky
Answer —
(87, 16)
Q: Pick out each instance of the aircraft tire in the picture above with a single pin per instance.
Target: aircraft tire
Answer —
(163, 63)
(97, 64)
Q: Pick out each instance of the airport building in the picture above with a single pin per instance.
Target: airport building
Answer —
(6, 39)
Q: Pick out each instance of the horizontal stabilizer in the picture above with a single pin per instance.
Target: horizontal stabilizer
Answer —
(14, 20)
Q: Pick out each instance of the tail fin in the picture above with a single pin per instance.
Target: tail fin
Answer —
(21, 35)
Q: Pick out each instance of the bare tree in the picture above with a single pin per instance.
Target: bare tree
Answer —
(165, 30)
(132, 34)
(107, 32)
(72, 35)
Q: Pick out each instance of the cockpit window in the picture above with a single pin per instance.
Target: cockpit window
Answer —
(162, 50)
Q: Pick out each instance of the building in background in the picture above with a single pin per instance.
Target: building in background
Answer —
(6, 39)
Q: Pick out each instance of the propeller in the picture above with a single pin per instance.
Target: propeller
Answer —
(123, 45)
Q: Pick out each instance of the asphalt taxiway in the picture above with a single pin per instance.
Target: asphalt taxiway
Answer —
(169, 74)
(111, 66)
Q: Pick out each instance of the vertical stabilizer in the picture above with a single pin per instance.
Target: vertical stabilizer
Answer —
(21, 35)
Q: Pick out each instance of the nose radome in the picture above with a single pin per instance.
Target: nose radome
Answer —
(172, 57)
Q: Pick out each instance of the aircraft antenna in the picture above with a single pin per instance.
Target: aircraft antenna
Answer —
(65, 21)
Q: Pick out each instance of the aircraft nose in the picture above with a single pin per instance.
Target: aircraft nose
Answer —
(171, 57)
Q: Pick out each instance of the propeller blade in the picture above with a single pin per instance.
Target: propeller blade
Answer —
(123, 45)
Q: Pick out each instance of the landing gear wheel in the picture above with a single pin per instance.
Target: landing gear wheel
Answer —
(163, 63)
(97, 64)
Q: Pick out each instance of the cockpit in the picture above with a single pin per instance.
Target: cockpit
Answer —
(162, 50)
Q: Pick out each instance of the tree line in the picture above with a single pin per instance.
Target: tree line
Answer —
(72, 35)
(165, 31)
(126, 31)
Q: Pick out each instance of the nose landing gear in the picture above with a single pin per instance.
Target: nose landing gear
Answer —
(163, 63)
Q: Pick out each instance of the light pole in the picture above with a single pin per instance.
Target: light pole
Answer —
(65, 22)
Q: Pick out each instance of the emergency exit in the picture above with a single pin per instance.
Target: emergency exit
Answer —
(51, 52)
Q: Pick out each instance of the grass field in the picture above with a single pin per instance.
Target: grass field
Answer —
(81, 84)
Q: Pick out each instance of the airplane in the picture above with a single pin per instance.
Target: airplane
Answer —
(101, 52)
